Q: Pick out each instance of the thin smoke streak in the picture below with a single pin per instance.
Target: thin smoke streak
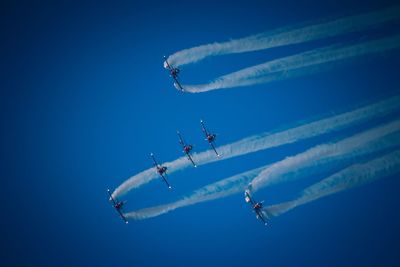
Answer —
(352, 146)
(286, 36)
(283, 68)
(353, 176)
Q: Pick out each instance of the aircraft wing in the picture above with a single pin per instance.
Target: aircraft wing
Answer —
(181, 139)
(122, 216)
(154, 160)
(190, 158)
(213, 147)
(248, 198)
(111, 197)
(178, 84)
(203, 127)
(166, 61)
(164, 177)
(261, 216)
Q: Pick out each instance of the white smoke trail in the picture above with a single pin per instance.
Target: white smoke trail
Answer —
(268, 140)
(355, 175)
(286, 36)
(239, 182)
(220, 189)
(288, 168)
(284, 67)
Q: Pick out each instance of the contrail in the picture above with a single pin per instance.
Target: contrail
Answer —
(286, 36)
(269, 140)
(295, 65)
(223, 188)
(361, 143)
(239, 182)
(355, 175)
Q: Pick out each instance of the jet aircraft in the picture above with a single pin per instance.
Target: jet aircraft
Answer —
(161, 170)
(256, 206)
(210, 137)
(118, 205)
(186, 148)
(174, 72)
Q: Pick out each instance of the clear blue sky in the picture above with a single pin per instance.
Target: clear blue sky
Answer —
(84, 99)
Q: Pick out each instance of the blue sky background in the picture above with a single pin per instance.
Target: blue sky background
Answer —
(84, 99)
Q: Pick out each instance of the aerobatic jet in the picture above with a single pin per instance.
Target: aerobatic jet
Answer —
(118, 205)
(174, 74)
(210, 137)
(186, 148)
(256, 206)
(161, 170)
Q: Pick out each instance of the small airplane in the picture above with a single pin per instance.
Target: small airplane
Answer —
(209, 137)
(118, 205)
(256, 206)
(161, 170)
(186, 148)
(174, 74)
